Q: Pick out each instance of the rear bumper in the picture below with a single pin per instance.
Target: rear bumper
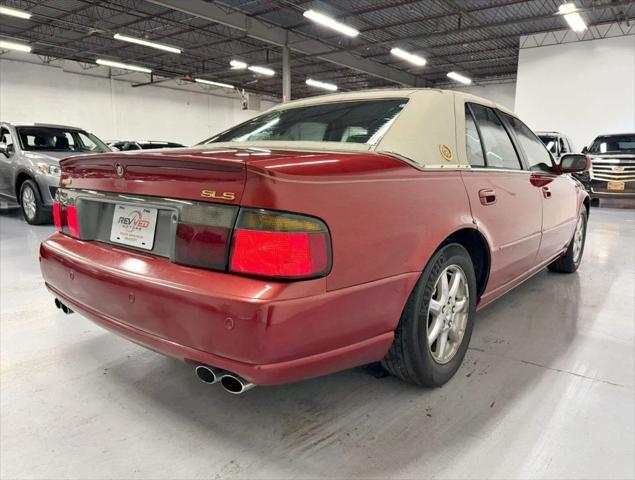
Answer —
(269, 333)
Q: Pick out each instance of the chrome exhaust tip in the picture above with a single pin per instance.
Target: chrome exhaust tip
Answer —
(209, 375)
(235, 384)
(63, 307)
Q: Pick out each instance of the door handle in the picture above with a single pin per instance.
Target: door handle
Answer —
(487, 196)
(546, 192)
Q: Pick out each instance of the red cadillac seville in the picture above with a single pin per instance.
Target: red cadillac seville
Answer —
(321, 235)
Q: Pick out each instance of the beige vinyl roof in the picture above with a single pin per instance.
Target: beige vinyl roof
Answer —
(427, 133)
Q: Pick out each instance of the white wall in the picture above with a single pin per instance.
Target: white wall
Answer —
(581, 89)
(112, 109)
(502, 93)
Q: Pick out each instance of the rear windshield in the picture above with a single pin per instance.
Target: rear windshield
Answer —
(349, 122)
(613, 144)
(59, 139)
(551, 142)
(548, 140)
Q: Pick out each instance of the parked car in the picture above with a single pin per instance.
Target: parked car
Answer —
(29, 163)
(560, 144)
(323, 234)
(557, 143)
(142, 145)
(612, 173)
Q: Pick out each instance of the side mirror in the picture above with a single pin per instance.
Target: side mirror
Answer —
(574, 163)
(585, 150)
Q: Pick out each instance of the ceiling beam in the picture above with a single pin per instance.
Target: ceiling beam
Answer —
(279, 36)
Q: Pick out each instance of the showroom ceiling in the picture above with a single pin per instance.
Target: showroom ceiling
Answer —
(478, 38)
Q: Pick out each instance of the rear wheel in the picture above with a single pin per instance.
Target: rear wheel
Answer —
(570, 261)
(436, 325)
(31, 203)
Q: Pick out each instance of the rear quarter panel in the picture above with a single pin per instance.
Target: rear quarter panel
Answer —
(385, 217)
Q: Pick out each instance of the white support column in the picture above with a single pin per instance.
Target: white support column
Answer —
(286, 75)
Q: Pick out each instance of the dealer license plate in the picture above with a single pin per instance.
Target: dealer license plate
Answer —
(616, 186)
(134, 226)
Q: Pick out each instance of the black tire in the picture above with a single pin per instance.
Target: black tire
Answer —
(41, 215)
(568, 263)
(410, 357)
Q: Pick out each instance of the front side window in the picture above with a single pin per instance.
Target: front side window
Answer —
(5, 137)
(499, 150)
(59, 139)
(538, 158)
(613, 144)
(345, 122)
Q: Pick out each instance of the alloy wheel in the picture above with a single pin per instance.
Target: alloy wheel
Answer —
(448, 314)
(28, 202)
(578, 239)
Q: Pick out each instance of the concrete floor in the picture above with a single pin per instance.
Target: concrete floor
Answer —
(546, 391)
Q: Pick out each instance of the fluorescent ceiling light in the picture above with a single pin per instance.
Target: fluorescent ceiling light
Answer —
(12, 12)
(210, 82)
(238, 64)
(573, 18)
(409, 57)
(261, 70)
(459, 78)
(146, 43)
(124, 66)
(322, 85)
(331, 23)
(20, 47)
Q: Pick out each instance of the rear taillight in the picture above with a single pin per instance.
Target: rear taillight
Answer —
(203, 234)
(65, 219)
(280, 245)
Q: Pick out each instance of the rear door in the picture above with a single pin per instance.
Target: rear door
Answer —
(559, 197)
(505, 204)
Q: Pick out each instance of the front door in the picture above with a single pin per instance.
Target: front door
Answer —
(505, 204)
(559, 198)
(6, 163)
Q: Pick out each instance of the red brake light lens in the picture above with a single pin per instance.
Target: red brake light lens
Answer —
(57, 215)
(65, 219)
(280, 245)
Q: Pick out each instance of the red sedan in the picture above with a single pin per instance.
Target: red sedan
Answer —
(321, 235)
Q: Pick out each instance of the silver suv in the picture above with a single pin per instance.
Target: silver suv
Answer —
(29, 163)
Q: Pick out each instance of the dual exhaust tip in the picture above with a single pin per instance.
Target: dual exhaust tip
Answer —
(63, 307)
(232, 383)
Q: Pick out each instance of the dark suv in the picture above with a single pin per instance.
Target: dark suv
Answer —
(612, 173)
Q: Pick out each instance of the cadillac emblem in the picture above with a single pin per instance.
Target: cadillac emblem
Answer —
(446, 153)
(618, 169)
(119, 169)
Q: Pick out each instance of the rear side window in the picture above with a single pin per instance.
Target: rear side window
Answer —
(538, 158)
(499, 150)
(473, 141)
